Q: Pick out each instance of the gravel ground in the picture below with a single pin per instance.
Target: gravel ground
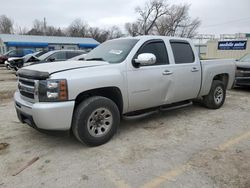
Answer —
(189, 147)
(7, 83)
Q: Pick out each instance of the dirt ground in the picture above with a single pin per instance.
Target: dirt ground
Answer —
(7, 83)
(189, 147)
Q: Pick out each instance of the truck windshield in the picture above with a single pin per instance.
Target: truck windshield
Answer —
(114, 51)
(245, 58)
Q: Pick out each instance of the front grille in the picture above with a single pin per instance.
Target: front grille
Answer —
(26, 87)
(244, 71)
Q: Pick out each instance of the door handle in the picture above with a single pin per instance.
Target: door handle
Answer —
(194, 69)
(167, 72)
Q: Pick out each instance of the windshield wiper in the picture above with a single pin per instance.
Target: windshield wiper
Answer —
(95, 59)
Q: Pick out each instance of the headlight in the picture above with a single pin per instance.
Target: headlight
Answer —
(52, 90)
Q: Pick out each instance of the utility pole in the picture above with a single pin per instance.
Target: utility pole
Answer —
(44, 26)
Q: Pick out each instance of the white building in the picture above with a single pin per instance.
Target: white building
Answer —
(10, 42)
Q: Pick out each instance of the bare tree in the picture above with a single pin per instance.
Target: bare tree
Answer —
(6, 25)
(41, 28)
(133, 29)
(53, 31)
(159, 18)
(177, 22)
(20, 30)
(149, 14)
(38, 25)
(102, 35)
(37, 28)
(98, 34)
(115, 32)
(95, 33)
(78, 28)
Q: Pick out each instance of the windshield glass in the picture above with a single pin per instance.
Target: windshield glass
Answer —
(245, 58)
(114, 51)
(7, 53)
(44, 56)
(39, 53)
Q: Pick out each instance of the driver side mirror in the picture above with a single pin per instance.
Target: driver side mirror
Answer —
(145, 59)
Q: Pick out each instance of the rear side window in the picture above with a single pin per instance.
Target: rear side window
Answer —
(183, 52)
(58, 56)
(70, 55)
(157, 48)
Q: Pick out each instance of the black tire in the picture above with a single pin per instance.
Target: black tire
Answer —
(210, 100)
(82, 116)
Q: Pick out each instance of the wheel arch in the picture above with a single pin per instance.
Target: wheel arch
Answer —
(224, 77)
(112, 93)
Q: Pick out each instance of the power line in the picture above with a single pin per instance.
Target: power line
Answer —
(228, 22)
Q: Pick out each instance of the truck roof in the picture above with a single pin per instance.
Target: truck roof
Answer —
(156, 37)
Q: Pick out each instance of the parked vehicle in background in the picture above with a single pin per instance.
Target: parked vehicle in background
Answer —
(58, 55)
(78, 58)
(14, 53)
(121, 77)
(43, 57)
(16, 63)
(242, 76)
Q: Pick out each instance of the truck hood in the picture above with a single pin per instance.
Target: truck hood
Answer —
(243, 64)
(44, 70)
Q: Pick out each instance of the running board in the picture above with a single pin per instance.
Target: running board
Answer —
(183, 105)
(139, 116)
(156, 110)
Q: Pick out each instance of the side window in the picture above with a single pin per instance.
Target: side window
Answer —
(72, 54)
(58, 56)
(12, 53)
(157, 48)
(19, 53)
(183, 52)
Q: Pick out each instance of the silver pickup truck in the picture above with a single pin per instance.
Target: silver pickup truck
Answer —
(121, 77)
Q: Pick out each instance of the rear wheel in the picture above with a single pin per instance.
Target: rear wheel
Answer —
(95, 121)
(217, 95)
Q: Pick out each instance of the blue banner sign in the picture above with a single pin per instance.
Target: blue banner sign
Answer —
(232, 45)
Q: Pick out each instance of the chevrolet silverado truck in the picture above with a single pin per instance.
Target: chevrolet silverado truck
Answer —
(123, 77)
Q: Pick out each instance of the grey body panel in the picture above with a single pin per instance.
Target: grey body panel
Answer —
(141, 88)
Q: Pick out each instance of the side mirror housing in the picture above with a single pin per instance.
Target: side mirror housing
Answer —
(145, 59)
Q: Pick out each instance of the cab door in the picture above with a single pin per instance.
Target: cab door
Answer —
(186, 71)
(149, 86)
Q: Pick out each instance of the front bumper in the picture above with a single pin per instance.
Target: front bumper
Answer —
(46, 116)
(242, 81)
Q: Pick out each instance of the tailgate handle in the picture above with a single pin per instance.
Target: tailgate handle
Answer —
(167, 72)
(194, 69)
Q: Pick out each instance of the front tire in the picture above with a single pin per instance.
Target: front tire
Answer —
(8, 67)
(217, 95)
(95, 120)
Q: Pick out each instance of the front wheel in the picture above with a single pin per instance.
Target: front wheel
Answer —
(95, 120)
(8, 67)
(217, 95)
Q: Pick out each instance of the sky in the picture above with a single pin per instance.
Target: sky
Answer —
(217, 16)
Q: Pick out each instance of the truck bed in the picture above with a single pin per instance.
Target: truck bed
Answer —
(210, 68)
